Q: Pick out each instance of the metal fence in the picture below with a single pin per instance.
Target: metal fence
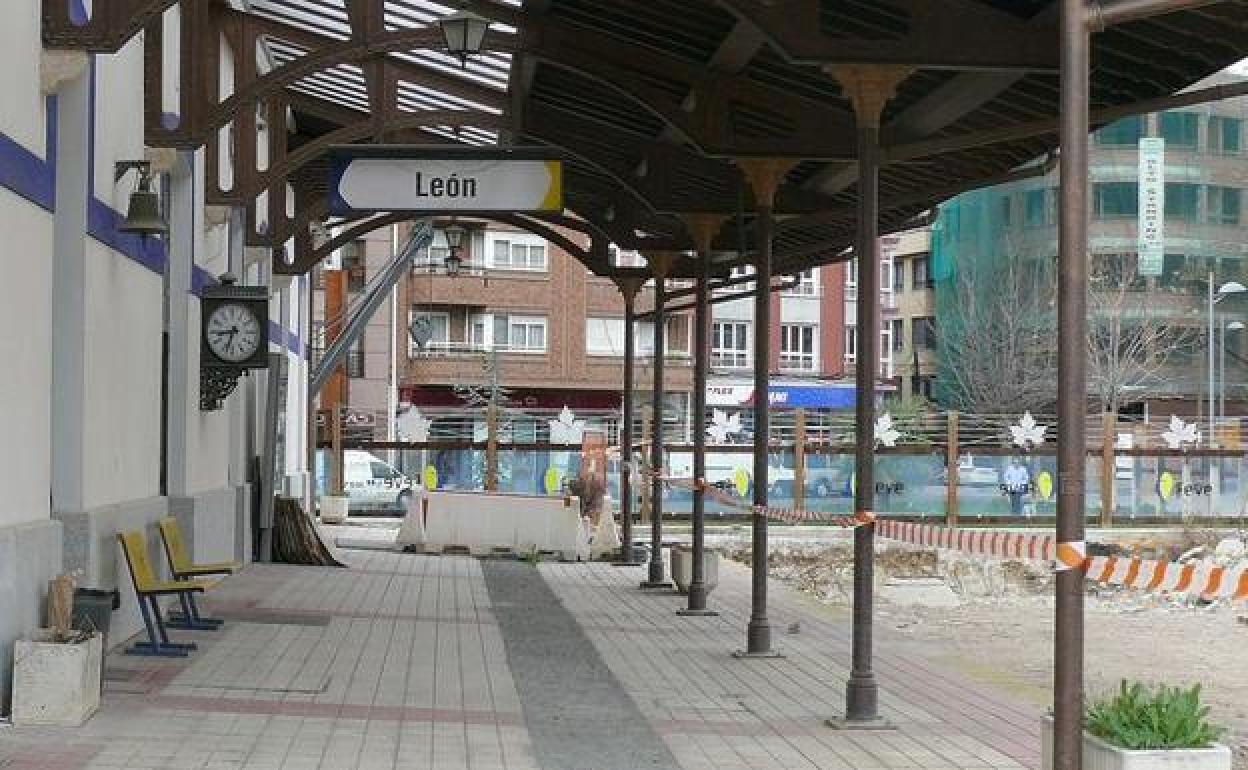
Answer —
(939, 466)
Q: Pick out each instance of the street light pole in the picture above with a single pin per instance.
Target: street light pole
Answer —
(1223, 291)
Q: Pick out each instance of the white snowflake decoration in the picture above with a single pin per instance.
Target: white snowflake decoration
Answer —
(722, 426)
(413, 426)
(1180, 433)
(566, 429)
(885, 433)
(1028, 433)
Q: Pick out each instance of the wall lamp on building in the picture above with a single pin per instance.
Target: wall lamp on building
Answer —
(464, 33)
(454, 233)
(143, 212)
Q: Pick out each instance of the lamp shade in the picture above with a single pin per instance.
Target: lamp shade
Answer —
(464, 32)
(454, 236)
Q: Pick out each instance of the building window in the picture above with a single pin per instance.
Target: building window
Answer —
(921, 275)
(438, 326)
(1124, 133)
(522, 333)
(807, 284)
(1225, 134)
(1182, 201)
(353, 264)
(897, 335)
(851, 274)
(851, 343)
(355, 360)
(899, 276)
(923, 330)
(518, 333)
(1222, 204)
(797, 347)
(1116, 200)
(515, 254)
(604, 336)
(1180, 129)
(1007, 210)
(1035, 208)
(730, 344)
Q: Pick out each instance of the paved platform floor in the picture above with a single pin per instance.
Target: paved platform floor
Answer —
(408, 661)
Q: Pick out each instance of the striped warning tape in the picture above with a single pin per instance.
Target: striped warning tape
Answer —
(1201, 579)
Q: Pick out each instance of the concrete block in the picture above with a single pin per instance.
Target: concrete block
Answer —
(334, 509)
(920, 592)
(55, 683)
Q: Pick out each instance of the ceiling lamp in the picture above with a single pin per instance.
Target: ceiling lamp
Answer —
(464, 33)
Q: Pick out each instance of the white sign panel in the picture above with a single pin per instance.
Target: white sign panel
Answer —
(1151, 243)
(413, 179)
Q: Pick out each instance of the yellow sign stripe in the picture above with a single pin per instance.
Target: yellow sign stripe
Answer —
(554, 193)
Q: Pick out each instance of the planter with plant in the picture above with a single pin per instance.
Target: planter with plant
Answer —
(1148, 728)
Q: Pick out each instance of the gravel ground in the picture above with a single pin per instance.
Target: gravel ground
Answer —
(1002, 631)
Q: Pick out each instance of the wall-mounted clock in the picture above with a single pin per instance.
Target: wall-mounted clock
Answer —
(234, 338)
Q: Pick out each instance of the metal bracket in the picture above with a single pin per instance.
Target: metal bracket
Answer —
(215, 385)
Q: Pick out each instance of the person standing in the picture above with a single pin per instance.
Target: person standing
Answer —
(1017, 482)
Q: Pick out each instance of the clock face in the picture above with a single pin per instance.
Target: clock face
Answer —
(233, 332)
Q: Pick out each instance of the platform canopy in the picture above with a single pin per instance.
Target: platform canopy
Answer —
(651, 102)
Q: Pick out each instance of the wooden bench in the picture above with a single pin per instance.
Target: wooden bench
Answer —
(148, 589)
(182, 568)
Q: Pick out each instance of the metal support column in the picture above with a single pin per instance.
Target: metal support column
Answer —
(701, 351)
(862, 691)
(1071, 383)
(655, 577)
(627, 557)
(869, 88)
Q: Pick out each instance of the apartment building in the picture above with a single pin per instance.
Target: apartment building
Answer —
(525, 320)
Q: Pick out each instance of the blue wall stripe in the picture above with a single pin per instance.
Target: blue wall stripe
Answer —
(28, 176)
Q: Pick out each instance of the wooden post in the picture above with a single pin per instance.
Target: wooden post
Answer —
(491, 448)
(799, 459)
(1109, 431)
(951, 462)
(335, 416)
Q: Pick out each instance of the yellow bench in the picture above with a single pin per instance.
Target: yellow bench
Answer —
(148, 588)
(182, 568)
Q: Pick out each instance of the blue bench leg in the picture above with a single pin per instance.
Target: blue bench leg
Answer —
(158, 643)
(189, 618)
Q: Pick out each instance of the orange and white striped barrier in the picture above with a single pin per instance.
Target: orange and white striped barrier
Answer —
(1201, 579)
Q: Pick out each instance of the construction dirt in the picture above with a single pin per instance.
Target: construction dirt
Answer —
(993, 621)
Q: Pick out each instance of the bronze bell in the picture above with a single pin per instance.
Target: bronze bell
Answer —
(143, 214)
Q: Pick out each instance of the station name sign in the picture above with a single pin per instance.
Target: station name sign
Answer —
(419, 178)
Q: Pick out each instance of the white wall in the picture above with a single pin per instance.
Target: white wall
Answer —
(25, 389)
(123, 352)
(21, 103)
(118, 100)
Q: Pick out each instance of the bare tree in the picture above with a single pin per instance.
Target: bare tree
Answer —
(996, 333)
(1130, 341)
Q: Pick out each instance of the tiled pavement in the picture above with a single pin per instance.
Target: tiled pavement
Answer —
(401, 662)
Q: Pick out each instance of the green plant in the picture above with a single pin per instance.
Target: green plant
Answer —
(533, 558)
(1157, 718)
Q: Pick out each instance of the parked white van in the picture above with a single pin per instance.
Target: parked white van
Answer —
(368, 482)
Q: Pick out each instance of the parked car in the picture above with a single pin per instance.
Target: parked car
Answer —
(370, 483)
(826, 476)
